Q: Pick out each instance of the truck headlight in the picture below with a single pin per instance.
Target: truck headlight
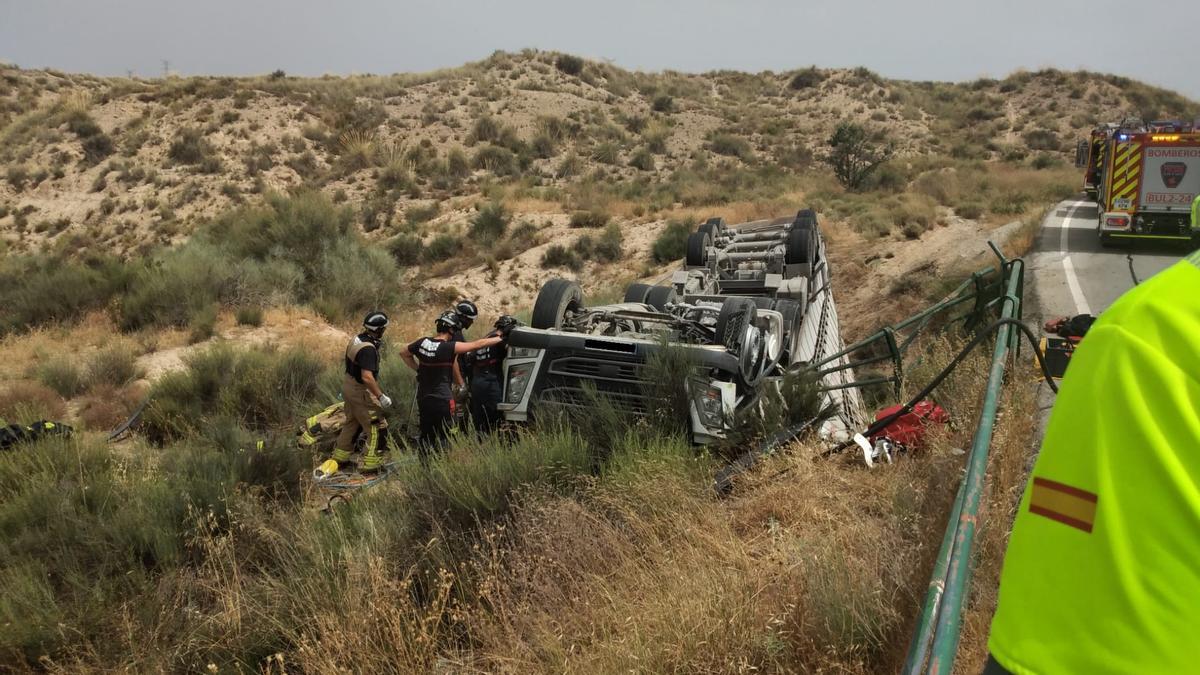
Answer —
(709, 405)
(522, 352)
(518, 380)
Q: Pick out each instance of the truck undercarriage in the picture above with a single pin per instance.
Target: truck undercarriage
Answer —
(751, 305)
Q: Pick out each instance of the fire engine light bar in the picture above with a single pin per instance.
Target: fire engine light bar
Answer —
(1164, 137)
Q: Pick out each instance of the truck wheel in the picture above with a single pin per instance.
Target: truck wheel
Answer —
(637, 292)
(713, 226)
(697, 249)
(659, 296)
(791, 311)
(557, 297)
(763, 303)
(735, 315)
(806, 217)
(800, 246)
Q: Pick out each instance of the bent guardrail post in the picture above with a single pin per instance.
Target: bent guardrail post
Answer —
(939, 627)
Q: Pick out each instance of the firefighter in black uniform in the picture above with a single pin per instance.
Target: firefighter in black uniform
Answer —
(467, 313)
(433, 358)
(486, 379)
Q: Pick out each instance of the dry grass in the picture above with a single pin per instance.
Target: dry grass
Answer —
(24, 401)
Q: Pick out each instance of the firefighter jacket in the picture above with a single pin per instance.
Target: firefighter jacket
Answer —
(1102, 572)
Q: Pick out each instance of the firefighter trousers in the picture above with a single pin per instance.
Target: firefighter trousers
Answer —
(485, 396)
(362, 414)
(437, 416)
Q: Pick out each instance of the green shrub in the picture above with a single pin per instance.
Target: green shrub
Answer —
(663, 104)
(442, 247)
(970, 210)
(96, 144)
(415, 215)
(1046, 161)
(605, 249)
(203, 324)
(671, 242)
(42, 290)
(249, 315)
(806, 79)
(115, 366)
(588, 219)
(353, 279)
(406, 249)
(259, 388)
(63, 376)
(606, 153)
(731, 146)
(1041, 139)
(568, 64)
(173, 289)
(17, 174)
(500, 161)
(189, 147)
(490, 223)
(561, 256)
(642, 160)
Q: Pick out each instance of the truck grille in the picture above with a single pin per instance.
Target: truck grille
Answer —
(595, 369)
(579, 399)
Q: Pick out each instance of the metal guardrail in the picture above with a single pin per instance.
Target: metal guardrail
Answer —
(970, 305)
(935, 641)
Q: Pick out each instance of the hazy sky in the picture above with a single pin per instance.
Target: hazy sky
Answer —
(913, 39)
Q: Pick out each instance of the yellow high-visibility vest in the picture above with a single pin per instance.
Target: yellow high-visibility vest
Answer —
(1102, 572)
(1196, 213)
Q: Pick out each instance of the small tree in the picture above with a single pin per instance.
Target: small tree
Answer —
(854, 156)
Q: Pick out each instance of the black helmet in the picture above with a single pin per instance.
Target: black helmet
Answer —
(447, 322)
(467, 312)
(506, 323)
(375, 321)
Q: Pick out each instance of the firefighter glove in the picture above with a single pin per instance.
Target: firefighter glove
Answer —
(385, 401)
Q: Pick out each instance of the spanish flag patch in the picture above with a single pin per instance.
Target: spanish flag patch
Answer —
(1063, 503)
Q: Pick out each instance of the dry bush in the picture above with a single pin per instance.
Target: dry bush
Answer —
(106, 406)
(23, 401)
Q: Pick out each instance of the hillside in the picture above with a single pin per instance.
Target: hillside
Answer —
(205, 246)
(125, 165)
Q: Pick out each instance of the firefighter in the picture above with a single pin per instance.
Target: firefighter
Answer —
(1101, 571)
(434, 360)
(467, 313)
(363, 398)
(486, 380)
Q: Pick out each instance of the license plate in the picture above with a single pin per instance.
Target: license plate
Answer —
(1121, 204)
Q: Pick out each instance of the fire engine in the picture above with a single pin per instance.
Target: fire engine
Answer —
(1149, 176)
(1090, 156)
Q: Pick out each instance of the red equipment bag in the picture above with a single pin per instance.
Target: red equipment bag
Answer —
(908, 430)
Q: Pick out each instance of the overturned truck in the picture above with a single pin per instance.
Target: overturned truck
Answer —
(752, 303)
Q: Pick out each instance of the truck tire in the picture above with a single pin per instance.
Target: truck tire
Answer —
(763, 303)
(697, 249)
(659, 296)
(735, 314)
(791, 311)
(637, 292)
(553, 301)
(712, 226)
(806, 217)
(800, 245)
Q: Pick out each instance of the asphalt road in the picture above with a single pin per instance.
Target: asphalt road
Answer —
(1070, 273)
(1073, 274)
